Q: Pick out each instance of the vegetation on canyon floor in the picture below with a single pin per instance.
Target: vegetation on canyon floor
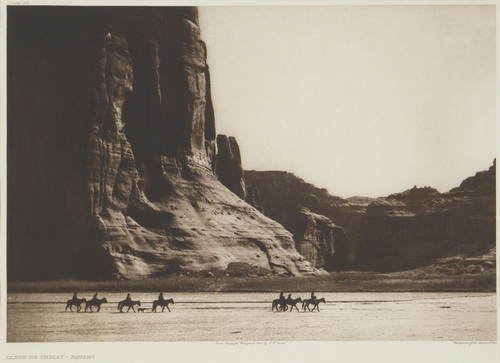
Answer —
(353, 281)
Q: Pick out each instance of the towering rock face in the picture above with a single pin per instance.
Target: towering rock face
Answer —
(289, 200)
(253, 198)
(416, 227)
(229, 169)
(112, 151)
(281, 193)
(320, 241)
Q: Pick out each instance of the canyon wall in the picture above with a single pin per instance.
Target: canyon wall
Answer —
(112, 151)
(419, 226)
(402, 231)
(306, 212)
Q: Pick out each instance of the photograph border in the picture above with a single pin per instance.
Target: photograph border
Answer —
(375, 351)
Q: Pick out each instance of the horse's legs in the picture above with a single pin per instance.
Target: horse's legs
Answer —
(168, 308)
(133, 309)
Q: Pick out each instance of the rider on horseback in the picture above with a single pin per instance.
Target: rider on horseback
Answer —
(128, 298)
(313, 298)
(74, 298)
(160, 297)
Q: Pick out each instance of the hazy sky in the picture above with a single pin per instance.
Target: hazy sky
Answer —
(361, 100)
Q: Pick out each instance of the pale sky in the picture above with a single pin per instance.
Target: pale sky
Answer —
(361, 100)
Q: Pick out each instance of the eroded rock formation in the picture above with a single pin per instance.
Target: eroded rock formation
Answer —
(289, 200)
(399, 232)
(229, 169)
(320, 241)
(419, 226)
(112, 151)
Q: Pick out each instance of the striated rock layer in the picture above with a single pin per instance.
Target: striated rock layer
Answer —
(112, 150)
(289, 200)
(419, 226)
(320, 241)
(402, 231)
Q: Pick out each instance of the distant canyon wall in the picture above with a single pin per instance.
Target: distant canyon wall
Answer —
(416, 227)
(304, 210)
(399, 232)
(112, 151)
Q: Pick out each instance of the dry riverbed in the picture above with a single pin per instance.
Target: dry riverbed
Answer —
(406, 316)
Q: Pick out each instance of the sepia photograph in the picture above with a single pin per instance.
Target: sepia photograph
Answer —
(242, 181)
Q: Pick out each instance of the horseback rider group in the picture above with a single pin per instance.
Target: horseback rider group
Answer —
(282, 297)
(128, 298)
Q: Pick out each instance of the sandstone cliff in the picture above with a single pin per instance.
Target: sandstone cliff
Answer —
(406, 230)
(419, 226)
(320, 241)
(112, 151)
(229, 168)
(305, 211)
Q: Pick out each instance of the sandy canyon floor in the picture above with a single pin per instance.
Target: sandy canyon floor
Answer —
(248, 317)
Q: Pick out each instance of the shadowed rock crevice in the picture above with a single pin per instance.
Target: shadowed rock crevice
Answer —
(229, 168)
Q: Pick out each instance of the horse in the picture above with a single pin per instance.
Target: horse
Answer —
(293, 303)
(163, 304)
(75, 302)
(129, 304)
(95, 302)
(276, 303)
(279, 304)
(316, 305)
(307, 302)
